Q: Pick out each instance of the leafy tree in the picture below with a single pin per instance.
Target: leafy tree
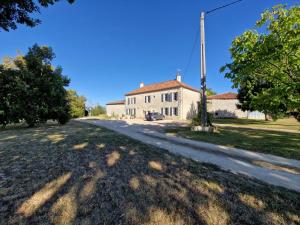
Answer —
(77, 104)
(210, 92)
(98, 110)
(265, 66)
(34, 91)
(13, 12)
(11, 88)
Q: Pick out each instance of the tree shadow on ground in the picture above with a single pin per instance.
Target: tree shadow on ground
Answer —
(81, 174)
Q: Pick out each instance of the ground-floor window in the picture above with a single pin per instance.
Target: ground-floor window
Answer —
(166, 111)
(171, 111)
(131, 112)
(175, 111)
(162, 111)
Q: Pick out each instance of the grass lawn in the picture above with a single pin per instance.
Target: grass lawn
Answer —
(82, 174)
(282, 124)
(271, 142)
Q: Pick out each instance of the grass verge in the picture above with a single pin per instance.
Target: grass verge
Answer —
(282, 124)
(271, 142)
(81, 174)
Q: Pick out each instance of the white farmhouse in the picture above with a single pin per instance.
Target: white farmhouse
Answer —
(177, 101)
(173, 98)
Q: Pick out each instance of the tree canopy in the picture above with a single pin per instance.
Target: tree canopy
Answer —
(33, 90)
(13, 12)
(210, 92)
(98, 110)
(265, 63)
(77, 104)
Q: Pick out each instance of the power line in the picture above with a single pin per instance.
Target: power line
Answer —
(192, 52)
(198, 32)
(223, 6)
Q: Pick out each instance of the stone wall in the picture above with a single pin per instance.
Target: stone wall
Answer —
(225, 108)
(115, 110)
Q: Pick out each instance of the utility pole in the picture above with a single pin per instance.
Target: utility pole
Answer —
(203, 72)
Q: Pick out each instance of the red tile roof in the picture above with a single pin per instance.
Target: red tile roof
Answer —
(228, 95)
(120, 102)
(160, 87)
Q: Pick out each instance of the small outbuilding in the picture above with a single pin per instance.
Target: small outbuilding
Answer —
(116, 108)
(225, 106)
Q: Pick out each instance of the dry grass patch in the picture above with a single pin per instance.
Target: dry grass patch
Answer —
(55, 137)
(64, 211)
(48, 181)
(37, 200)
(156, 165)
(134, 183)
(80, 146)
(252, 201)
(113, 158)
(160, 216)
(213, 213)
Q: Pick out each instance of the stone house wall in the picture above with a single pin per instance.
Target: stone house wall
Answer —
(183, 104)
(115, 110)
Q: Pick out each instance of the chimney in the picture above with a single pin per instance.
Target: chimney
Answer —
(178, 76)
(141, 84)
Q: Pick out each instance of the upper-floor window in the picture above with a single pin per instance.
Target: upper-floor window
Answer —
(175, 96)
(147, 99)
(166, 97)
(131, 101)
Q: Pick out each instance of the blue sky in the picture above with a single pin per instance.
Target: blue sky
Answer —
(107, 47)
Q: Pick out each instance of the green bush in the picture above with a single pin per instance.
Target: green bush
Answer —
(98, 110)
(196, 121)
